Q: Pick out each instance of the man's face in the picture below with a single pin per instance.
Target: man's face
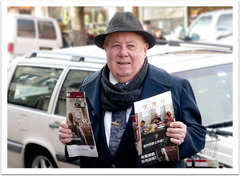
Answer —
(125, 52)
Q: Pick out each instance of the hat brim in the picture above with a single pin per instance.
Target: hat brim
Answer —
(149, 38)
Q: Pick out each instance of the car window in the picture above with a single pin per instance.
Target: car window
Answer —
(46, 30)
(25, 28)
(72, 83)
(213, 91)
(33, 86)
(225, 22)
(200, 29)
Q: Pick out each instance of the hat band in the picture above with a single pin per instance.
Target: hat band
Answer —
(122, 29)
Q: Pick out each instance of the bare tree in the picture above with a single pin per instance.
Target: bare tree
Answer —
(79, 35)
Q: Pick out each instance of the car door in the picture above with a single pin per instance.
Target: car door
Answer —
(71, 83)
(29, 96)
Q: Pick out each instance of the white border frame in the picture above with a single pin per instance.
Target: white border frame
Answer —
(159, 171)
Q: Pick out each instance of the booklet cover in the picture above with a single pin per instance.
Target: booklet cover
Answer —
(150, 122)
(83, 143)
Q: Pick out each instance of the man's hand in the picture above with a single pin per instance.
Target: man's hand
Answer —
(177, 132)
(65, 134)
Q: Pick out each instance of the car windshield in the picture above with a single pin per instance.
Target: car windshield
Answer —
(212, 87)
(200, 28)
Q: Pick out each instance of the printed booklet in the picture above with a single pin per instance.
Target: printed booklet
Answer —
(83, 143)
(150, 122)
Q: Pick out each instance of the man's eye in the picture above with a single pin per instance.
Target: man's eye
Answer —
(131, 46)
(115, 46)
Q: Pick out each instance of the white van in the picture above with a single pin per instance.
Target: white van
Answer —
(27, 33)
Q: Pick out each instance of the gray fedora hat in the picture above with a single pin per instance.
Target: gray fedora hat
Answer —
(125, 22)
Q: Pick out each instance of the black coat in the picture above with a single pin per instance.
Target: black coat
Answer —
(156, 82)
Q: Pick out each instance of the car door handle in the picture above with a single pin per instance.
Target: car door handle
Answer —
(54, 125)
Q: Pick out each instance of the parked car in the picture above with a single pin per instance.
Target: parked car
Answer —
(26, 33)
(38, 82)
(215, 26)
(37, 103)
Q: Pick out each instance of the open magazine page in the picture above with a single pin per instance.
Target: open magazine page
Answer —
(83, 143)
(150, 122)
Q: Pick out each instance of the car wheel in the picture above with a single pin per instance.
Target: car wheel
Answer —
(40, 159)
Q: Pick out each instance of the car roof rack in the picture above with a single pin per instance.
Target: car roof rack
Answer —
(199, 44)
(64, 56)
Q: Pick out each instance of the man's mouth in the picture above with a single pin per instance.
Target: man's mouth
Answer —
(123, 63)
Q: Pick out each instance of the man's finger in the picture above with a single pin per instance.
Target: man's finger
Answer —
(64, 130)
(64, 124)
(177, 136)
(64, 137)
(176, 141)
(65, 141)
(177, 124)
(175, 130)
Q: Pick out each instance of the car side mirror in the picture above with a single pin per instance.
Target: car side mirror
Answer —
(195, 37)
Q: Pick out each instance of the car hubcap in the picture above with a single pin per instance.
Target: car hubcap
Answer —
(41, 162)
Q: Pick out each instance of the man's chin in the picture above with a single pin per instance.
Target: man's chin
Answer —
(124, 78)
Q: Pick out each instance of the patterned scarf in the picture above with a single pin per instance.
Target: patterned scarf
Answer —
(113, 98)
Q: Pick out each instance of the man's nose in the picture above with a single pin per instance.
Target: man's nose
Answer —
(123, 52)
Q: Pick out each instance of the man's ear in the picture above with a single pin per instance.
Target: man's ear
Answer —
(104, 47)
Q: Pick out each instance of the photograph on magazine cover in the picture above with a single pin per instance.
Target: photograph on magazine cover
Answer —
(152, 118)
(83, 143)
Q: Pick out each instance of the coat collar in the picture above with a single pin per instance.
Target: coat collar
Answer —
(159, 76)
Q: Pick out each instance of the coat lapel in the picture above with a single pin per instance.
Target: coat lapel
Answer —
(156, 82)
(92, 88)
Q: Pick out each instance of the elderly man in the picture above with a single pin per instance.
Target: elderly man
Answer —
(127, 77)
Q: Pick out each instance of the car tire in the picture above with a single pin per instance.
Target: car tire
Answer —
(40, 159)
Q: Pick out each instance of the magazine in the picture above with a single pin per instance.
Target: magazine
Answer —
(83, 143)
(150, 122)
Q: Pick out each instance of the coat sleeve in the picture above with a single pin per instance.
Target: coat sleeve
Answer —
(191, 117)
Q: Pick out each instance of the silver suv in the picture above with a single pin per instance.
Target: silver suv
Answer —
(37, 97)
